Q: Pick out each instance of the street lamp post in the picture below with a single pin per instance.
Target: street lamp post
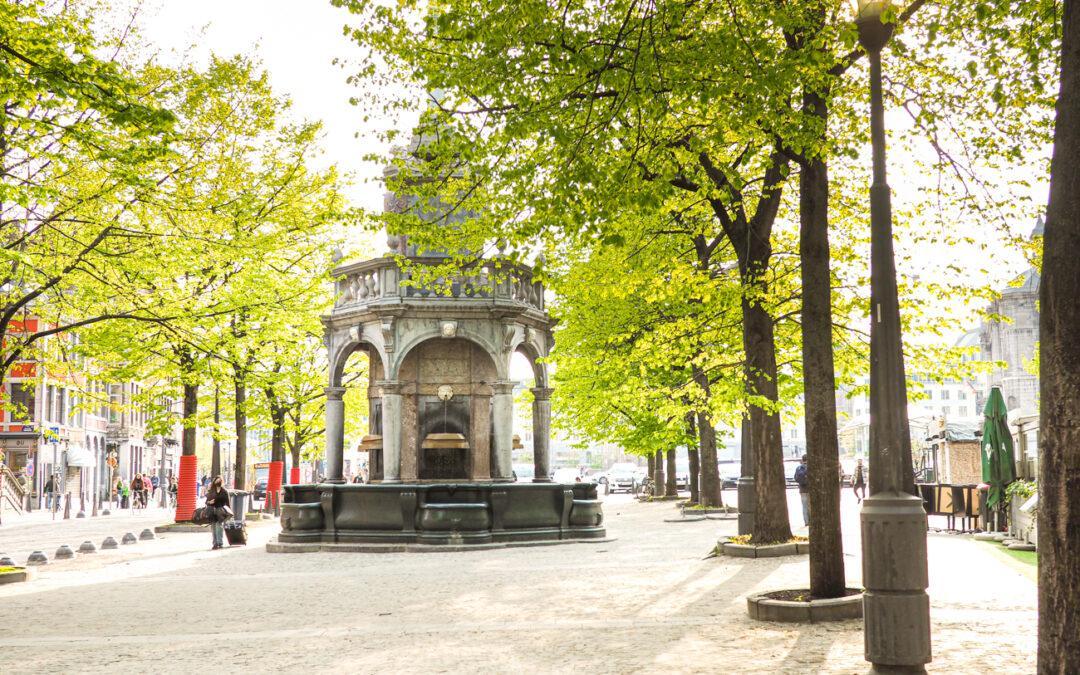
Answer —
(896, 608)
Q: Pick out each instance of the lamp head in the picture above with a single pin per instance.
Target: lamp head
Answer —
(871, 17)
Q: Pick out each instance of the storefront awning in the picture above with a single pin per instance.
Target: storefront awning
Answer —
(79, 457)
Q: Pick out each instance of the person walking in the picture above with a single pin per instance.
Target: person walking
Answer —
(858, 481)
(50, 492)
(803, 481)
(217, 501)
(172, 491)
(138, 491)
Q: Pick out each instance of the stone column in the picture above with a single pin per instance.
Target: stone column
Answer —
(335, 434)
(502, 441)
(391, 430)
(541, 424)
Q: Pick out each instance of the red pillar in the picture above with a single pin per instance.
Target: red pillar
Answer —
(273, 483)
(294, 476)
(186, 489)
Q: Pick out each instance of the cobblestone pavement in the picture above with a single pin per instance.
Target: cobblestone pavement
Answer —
(648, 600)
(38, 531)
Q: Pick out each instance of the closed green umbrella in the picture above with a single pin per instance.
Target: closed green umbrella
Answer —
(998, 464)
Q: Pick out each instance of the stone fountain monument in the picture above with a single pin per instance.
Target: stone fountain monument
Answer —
(440, 411)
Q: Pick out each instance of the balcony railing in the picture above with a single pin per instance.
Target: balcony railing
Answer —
(382, 282)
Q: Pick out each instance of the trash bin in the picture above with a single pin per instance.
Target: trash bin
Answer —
(239, 504)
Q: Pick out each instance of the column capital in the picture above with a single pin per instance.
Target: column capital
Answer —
(541, 393)
(334, 393)
(389, 386)
(502, 387)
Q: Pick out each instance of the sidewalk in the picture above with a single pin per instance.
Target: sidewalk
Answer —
(37, 531)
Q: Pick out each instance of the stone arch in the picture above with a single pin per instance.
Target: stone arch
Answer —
(377, 360)
(434, 333)
(533, 354)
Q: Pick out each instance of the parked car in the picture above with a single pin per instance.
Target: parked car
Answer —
(729, 474)
(624, 476)
(259, 491)
(682, 474)
(566, 474)
(524, 473)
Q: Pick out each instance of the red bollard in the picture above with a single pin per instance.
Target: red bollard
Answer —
(186, 488)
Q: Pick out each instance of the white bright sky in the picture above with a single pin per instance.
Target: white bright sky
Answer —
(297, 42)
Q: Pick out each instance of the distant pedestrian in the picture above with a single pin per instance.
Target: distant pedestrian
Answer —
(858, 481)
(172, 491)
(217, 500)
(118, 491)
(803, 481)
(125, 495)
(51, 486)
(138, 490)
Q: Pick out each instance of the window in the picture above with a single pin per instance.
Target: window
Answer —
(61, 406)
(50, 391)
(116, 400)
(945, 410)
(944, 394)
(962, 395)
(21, 406)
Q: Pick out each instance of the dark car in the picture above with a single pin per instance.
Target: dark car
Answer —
(259, 491)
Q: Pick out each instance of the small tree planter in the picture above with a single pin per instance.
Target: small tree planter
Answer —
(728, 548)
(15, 575)
(764, 607)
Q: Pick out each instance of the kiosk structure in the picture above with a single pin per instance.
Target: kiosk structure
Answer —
(440, 411)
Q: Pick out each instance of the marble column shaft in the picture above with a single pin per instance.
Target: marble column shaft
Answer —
(541, 423)
(502, 442)
(335, 434)
(391, 428)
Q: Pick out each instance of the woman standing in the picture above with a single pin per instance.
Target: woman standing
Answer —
(217, 502)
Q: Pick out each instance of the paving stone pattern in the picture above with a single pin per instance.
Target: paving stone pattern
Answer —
(649, 601)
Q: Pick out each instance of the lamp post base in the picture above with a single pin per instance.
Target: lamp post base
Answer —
(896, 608)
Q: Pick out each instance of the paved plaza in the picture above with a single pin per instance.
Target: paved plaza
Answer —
(649, 600)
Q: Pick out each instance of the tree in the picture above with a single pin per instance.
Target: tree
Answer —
(79, 138)
(246, 221)
(1059, 351)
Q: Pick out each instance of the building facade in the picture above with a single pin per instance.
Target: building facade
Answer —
(65, 426)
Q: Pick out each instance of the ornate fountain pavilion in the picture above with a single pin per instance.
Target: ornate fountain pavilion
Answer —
(440, 411)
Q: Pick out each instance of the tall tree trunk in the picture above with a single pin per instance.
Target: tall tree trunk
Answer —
(658, 477)
(189, 412)
(296, 444)
(277, 433)
(671, 488)
(240, 421)
(827, 578)
(692, 455)
(710, 471)
(652, 465)
(186, 489)
(215, 455)
(1059, 395)
(771, 523)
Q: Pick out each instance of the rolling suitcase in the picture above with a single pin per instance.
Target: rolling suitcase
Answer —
(236, 533)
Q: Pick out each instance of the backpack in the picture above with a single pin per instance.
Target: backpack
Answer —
(800, 476)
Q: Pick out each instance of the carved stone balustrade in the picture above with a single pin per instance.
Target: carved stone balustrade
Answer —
(381, 282)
